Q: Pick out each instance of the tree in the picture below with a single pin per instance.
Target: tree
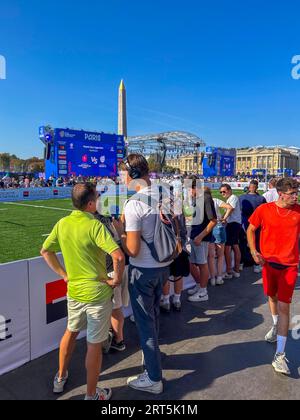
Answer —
(5, 161)
(154, 165)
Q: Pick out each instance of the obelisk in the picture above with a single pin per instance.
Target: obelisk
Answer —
(122, 125)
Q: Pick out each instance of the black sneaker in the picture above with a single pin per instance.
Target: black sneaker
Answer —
(117, 346)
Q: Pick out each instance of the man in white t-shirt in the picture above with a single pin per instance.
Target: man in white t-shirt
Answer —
(146, 276)
(233, 217)
(271, 195)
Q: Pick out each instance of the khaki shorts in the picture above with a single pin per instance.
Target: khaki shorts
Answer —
(93, 317)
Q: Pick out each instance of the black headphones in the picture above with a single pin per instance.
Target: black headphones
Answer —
(134, 173)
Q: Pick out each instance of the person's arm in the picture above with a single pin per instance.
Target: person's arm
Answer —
(226, 206)
(209, 228)
(212, 217)
(49, 254)
(131, 241)
(132, 237)
(258, 258)
(119, 267)
(51, 259)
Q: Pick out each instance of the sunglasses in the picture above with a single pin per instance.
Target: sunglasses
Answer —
(223, 192)
(291, 194)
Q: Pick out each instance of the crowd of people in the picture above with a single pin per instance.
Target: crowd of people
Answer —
(139, 255)
(21, 181)
(14, 182)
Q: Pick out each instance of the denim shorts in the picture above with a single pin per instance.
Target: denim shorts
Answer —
(219, 235)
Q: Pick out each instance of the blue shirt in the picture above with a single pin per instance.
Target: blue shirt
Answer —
(249, 203)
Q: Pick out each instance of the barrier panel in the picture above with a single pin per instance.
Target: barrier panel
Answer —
(33, 312)
(262, 186)
(48, 308)
(14, 316)
(30, 194)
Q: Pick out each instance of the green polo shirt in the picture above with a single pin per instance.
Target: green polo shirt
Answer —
(84, 243)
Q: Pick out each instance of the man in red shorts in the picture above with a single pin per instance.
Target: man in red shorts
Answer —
(279, 243)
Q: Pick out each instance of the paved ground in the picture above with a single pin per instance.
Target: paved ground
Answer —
(212, 350)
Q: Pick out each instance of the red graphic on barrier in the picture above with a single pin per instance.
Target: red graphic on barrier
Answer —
(56, 293)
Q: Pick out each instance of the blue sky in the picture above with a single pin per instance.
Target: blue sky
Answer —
(220, 69)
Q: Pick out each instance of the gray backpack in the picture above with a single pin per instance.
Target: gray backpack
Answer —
(167, 242)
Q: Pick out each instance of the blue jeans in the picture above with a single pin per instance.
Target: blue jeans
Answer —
(145, 289)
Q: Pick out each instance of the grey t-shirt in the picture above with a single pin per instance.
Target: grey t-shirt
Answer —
(140, 216)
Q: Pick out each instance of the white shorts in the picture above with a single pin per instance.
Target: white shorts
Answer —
(121, 294)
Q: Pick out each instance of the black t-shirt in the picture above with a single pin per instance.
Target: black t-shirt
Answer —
(209, 215)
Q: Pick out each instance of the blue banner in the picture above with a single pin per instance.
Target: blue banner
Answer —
(81, 153)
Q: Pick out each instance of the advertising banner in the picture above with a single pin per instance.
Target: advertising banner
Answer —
(14, 316)
(30, 194)
(81, 153)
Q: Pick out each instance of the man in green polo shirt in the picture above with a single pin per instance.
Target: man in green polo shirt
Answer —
(84, 243)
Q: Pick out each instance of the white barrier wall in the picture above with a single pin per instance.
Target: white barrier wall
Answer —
(33, 312)
(14, 316)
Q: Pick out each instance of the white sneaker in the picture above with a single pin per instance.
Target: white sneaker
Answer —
(193, 290)
(144, 383)
(241, 267)
(257, 269)
(197, 297)
(271, 337)
(236, 275)
(280, 364)
(220, 281)
(213, 281)
(59, 384)
(228, 276)
(102, 394)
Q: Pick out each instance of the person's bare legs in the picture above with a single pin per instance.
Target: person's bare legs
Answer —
(166, 289)
(212, 260)
(228, 258)
(93, 366)
(237, 258)
(178, 286)
(195, 272)
(117, 323)
(273, 303)
(204, 275)
(284, 319)
(220, 253)
(66, 350)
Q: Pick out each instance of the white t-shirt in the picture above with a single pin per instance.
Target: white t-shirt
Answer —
(218, 204)
(141, 217)
(271, 196)
(236, 215)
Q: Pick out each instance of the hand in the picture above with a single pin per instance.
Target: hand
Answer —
(111, 283)
(258, 258)
(65, 277)
(119, 226)
(197, 241)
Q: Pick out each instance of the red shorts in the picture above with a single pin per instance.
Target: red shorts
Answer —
(280, 283)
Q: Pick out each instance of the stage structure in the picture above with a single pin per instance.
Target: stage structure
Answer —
(169, 145)
(81, 153)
